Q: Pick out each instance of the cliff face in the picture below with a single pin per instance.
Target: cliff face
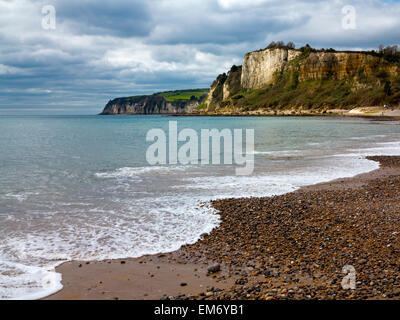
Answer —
(153, 104)
(308, 78)
(339, 66)
(259, 67)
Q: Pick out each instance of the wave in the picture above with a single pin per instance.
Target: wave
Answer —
(103, 234)
(20, 196)
(24, 282)
(284, 182)
(135, 172)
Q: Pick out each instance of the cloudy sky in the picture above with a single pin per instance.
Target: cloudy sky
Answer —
(105, 49)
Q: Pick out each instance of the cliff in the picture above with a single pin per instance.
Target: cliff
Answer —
(171, 102)
(259, 67)
(280, 79)
(283, 78)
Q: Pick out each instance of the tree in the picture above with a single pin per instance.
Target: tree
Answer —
(234, 68)
(291, 45)
(280, 44)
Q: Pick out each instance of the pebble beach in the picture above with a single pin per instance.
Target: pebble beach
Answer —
(292, 246)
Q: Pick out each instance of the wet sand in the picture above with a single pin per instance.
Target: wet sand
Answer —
(292, 246)
(147, 278)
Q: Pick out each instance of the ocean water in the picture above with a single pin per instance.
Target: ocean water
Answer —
(79, 187)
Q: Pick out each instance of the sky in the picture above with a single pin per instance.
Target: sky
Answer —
(88, 52)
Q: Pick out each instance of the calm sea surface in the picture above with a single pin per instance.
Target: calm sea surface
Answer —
(80, 187)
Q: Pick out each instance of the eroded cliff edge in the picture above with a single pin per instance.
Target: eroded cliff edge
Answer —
(284, 79)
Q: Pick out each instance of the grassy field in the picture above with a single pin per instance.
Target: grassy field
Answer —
(184, 95)
(135, 97)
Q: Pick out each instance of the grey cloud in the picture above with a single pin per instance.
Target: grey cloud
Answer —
(120, 18)
(104, 49)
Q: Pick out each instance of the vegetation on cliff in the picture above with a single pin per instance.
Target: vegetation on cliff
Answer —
(314, 79)
(183, 95)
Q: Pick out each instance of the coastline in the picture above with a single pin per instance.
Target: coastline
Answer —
(339, 115)
(291, 246)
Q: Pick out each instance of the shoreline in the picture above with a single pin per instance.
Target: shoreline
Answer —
(283, 247)
(372, 113)
(240, 115)
(334, 116)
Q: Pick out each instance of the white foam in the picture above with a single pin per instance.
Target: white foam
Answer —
(21, 197)
(281, 183)
(369, 137)
(133, 172)
(382, 149)
(22, 282)
(279, 153)
(104, 234)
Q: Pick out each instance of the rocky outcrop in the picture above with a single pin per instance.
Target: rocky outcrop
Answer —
(225, 86)
(216, 93)
(274, 77)
(259, 67)
(154, 104)
(232, 85)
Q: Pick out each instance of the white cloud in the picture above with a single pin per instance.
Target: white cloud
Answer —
(38, 91)
(141, 58)
(7, 70)
(238, 4)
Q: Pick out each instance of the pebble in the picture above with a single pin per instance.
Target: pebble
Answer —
(214, 268)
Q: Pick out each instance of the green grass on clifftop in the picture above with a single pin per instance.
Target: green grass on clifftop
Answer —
(184, 95)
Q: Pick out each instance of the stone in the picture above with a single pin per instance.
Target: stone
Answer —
(214, 268)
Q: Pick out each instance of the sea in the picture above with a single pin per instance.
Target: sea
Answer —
(80, 187)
